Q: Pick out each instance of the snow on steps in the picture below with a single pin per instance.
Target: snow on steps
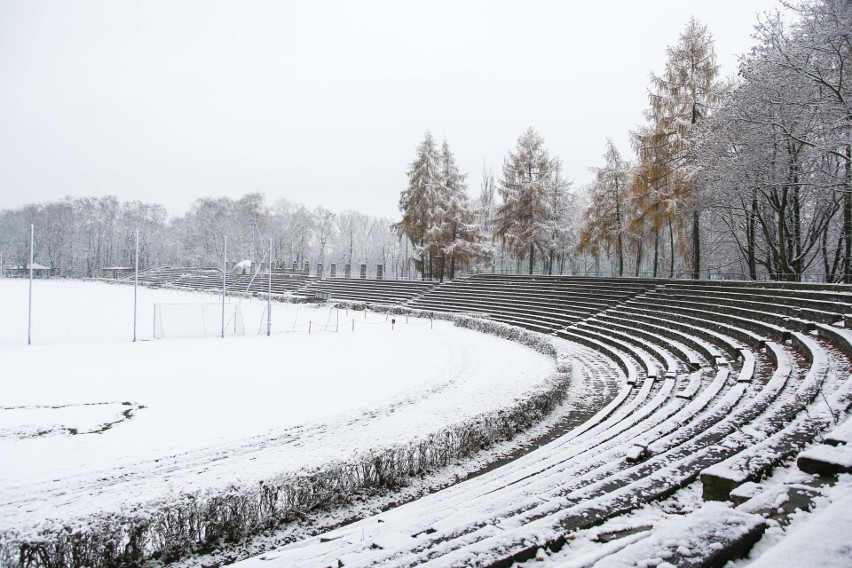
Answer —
(840, 435)
(624, 362)
(682, 451)
(832, 457)
(826, 460)
(631, 336)
(664, 327)
(581, 508)
(689, 357)
(759, 458)
(710, 536)
(648, 363)
(598, 500)
(692, 386)
(823, 541)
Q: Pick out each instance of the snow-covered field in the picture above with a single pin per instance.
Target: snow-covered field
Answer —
(91, 422)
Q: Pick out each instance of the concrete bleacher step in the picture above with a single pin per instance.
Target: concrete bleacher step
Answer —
(783, 435)
(704, 341)
(625, 363)
(766, 324)
(726, 336)
(648, 362)
(841, 435)
(834, 454)
(711, 536)
(669, 351)
(826, 460)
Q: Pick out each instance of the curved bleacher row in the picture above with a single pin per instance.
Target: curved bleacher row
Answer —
(719, 382)
(210, 279)
(293, 285)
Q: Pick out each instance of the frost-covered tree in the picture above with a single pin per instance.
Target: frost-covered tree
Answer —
(816, 52)
(776, 150)
(685, 93)
(524, 220)
(417, 200)
(605, 220)
(437, 215)
(560, 226)
(454, 233)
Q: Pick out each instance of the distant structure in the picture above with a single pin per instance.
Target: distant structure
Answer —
(39, 271)
(117, 272)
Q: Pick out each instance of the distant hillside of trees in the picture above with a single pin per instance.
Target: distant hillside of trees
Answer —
(78, 236)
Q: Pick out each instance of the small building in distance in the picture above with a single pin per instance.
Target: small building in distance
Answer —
(117, 272)
(39, 271)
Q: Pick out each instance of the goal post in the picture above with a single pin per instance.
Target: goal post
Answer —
(197, 320)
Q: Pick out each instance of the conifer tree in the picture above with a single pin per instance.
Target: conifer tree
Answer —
(437, 214)
(523, 219)
(686, 92)
(417, 201)
(606, 218)
(455, 235)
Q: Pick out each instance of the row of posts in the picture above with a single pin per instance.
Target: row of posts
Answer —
(347, 270)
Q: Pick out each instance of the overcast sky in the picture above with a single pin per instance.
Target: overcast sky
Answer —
(321, 103)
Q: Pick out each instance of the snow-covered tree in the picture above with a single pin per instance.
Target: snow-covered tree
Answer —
(454, 233)
(605, 220)
(417, 200)
(436, 212)
(685, 93)
(525, 218)
(816, 52)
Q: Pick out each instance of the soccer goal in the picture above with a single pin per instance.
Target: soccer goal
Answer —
(197, 320)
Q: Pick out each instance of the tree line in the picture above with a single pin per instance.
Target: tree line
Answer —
(747, 177)
(76, 237)
(750, 175)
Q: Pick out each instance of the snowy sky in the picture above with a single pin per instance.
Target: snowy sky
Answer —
(320, 102)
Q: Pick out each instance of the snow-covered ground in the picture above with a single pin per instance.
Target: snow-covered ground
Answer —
(75, 311)
(91, 422)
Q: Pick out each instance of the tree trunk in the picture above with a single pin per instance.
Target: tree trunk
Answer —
(750, 241)
(656, 249)
(847, 219)
(696, 247)
(532, 257)
(638, 256)
(671, 250)
(619, 251)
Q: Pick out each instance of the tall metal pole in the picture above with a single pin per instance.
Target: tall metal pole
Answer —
(224, 281)
(30, 314)
(135, 283)
(269, 294)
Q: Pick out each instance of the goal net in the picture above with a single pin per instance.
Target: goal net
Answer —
(197, 320)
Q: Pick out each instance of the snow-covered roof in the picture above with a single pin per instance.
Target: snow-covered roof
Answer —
(36, 266)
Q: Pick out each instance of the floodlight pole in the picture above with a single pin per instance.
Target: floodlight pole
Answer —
(269, 294)
(224, 281)
(135, 283)
(30, 308)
